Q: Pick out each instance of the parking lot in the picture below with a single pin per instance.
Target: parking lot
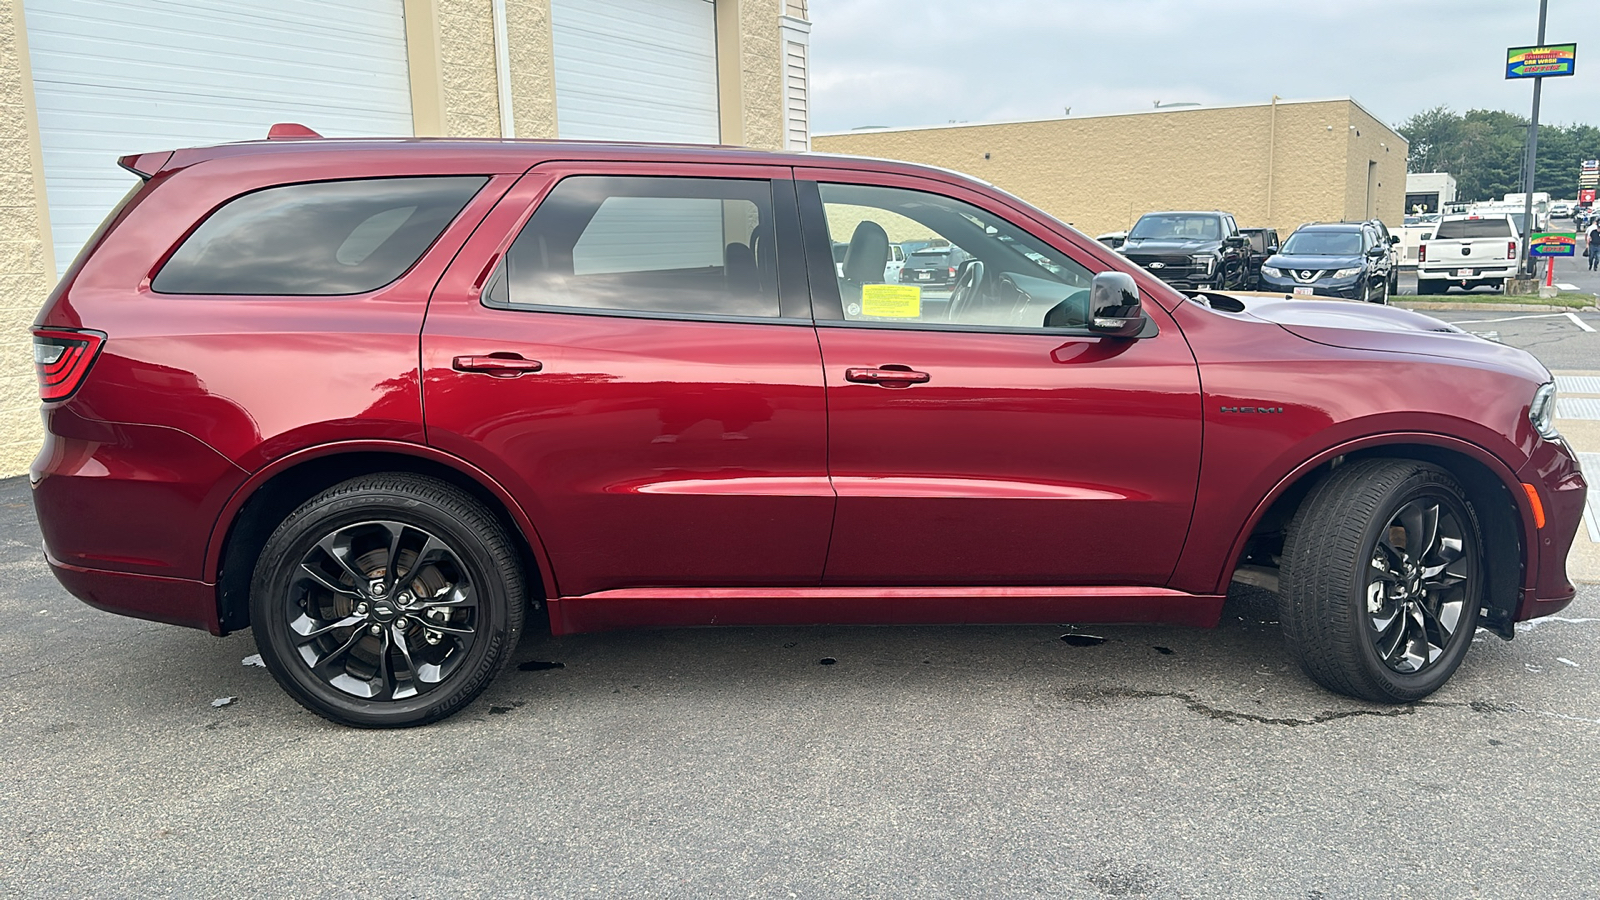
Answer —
(142, 759)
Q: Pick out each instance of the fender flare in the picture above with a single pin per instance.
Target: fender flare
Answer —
(1506, 474)
(242, 494)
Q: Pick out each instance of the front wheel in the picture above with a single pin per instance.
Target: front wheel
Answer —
(1382, 580)
(386, 601)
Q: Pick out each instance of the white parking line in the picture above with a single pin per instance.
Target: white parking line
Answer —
(1580, 323)
(1512, 318)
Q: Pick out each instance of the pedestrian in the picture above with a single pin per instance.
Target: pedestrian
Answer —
(1593, 250)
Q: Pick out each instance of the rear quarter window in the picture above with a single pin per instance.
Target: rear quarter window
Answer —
(316, 239)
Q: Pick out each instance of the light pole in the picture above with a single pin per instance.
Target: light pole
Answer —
(1526, 264)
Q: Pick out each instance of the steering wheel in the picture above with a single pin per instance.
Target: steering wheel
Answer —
(968, 284)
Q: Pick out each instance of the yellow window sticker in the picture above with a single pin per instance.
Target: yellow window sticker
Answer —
(891, 301)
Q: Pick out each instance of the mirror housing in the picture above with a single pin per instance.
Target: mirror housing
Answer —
(1394, 238)
(1235, 240)
(1114, 309)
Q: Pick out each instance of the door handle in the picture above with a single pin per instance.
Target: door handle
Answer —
(508, 366)
(889, 376)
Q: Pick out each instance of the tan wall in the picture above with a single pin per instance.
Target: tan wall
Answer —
(533, 68)
(1373, 144)
(761, 74)
(27, 270)
(1101, 173)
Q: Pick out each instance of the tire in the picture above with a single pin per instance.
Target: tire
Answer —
(1394, 284)
(1428, 286)
(362, 648)
(1389, 635)
(1383, 296)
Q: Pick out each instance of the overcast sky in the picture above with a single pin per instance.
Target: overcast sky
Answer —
(926, 62)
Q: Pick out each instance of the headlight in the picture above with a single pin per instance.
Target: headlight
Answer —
(1204, 262)
(1274, 271)
(1542, 412)
(1347, 273)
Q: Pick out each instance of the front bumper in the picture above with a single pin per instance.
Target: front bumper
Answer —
(1553, 471)
(1346, 288)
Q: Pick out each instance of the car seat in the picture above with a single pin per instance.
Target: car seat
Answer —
(864, 260)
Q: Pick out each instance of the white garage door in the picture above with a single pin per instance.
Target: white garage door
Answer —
(636, 70)
(113, 77)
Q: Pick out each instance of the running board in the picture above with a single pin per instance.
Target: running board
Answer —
(765, 606)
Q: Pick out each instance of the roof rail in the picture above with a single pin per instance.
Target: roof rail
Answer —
(289, 131)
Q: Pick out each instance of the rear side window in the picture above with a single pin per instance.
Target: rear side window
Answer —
(316, 239)
(1473, 228)
(671, 246)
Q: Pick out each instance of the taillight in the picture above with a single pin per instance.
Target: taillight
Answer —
(62, 358)
(952, 271)
(1511, 249)
(1422, 253)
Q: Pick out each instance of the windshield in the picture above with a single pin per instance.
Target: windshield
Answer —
(1323, 243)
(1177, 227)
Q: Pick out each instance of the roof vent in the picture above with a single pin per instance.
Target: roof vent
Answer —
(288, 131)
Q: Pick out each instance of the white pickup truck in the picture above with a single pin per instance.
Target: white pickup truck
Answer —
(1468, 251)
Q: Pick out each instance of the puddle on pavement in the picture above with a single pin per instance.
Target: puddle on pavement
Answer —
(826, 661)
(1083, 640)
(538, 665)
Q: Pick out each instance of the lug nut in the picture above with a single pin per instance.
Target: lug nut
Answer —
(361, 609)
(376, 630)
(402, 622)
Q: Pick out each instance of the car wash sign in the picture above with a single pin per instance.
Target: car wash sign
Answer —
(1554, 243)
(1541, 62)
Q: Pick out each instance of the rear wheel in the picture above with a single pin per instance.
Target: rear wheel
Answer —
(386, 601)
(1382, 580)
(1427, 286)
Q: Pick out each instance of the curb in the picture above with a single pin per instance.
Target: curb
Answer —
(1487, 307)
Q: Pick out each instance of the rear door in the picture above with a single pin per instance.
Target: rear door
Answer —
(625, 351)
(982, 436)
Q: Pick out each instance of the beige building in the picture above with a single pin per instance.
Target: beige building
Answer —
(1277, 164)
(83, 82)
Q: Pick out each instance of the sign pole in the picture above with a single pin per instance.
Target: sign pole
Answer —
(1549, 271)
(1533, 155)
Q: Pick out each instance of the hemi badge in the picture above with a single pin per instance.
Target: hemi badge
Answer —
(1252, 409)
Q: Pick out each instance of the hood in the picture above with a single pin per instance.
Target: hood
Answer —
(1366, 326)
(1283, 261)
(1168, 245)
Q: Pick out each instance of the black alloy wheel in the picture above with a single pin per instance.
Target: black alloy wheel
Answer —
(1382, 580)
(390, 600)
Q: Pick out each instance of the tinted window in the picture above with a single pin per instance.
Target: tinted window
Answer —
(1177, 227)
(1473, 228)
(1323, 243)
(1003, 276)
(689, 246)
(329, 237)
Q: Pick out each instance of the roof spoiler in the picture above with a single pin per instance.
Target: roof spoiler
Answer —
(289, 131)
(145, 164)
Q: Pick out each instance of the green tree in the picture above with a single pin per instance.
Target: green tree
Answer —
(1484, 150)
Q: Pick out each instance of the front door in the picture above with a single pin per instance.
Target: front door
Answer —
(619, 348)
(980, 435)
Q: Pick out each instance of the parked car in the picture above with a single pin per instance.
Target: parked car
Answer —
(1191, 249)
(1392, 261)
(1561, 209)
(1339, 259)
(387, 402)
(1468, 252)
(933, 266)
(1263, 243)
(1415, 230)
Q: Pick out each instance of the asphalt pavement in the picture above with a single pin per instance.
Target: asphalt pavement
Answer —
(144, 760)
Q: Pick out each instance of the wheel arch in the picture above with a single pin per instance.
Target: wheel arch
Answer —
(1491, 486)
(270, 494)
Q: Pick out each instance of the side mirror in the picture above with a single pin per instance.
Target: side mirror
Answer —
(1272, 249)
(1235, 240)
(1394, 238)
(1114, 309)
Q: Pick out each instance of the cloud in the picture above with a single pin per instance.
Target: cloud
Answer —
(897, 63)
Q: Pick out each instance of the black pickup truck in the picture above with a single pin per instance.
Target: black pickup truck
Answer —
(1191, 249)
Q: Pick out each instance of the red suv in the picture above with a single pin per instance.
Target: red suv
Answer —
(379, 399)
